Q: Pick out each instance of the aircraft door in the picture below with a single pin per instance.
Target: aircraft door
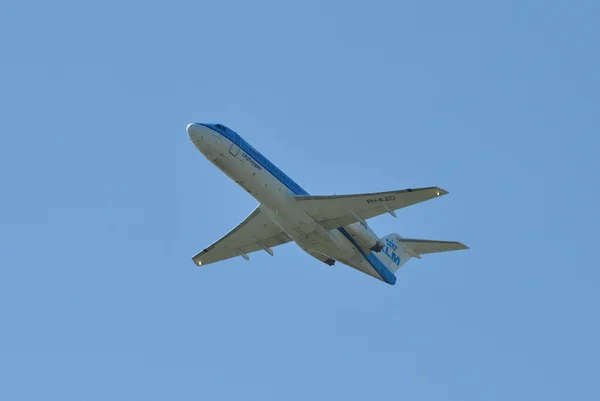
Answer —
(235, 145)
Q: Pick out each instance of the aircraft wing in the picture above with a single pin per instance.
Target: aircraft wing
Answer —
(340, 210)
(255, 233)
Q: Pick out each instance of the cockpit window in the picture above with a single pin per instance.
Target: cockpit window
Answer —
(224, 128)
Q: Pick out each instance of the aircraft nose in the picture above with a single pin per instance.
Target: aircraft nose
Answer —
(193, 131)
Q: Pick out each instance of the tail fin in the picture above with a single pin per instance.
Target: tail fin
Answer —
(397, 250)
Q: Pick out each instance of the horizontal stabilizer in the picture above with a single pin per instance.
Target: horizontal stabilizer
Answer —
(397, 250)
(424, 246)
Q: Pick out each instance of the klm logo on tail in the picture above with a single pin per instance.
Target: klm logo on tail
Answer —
(390, 251)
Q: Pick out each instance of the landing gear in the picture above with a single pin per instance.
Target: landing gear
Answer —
(329, 261)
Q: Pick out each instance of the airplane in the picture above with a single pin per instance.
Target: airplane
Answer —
(330, 228)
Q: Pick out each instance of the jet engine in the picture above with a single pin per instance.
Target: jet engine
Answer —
(365, 236)
(321, 256)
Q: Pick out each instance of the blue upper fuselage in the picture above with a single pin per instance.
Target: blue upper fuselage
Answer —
(296, 189)
(258, 157)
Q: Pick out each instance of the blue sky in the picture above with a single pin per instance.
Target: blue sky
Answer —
(105, 199)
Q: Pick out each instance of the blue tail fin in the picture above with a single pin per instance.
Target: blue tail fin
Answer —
(393, 255)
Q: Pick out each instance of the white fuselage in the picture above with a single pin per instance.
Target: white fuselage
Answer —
(275, 193)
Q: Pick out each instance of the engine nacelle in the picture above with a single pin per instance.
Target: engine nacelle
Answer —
(365, 236)
(321, 256)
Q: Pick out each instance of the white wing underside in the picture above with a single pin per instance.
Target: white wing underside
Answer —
(341, 210)
(255, 233)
